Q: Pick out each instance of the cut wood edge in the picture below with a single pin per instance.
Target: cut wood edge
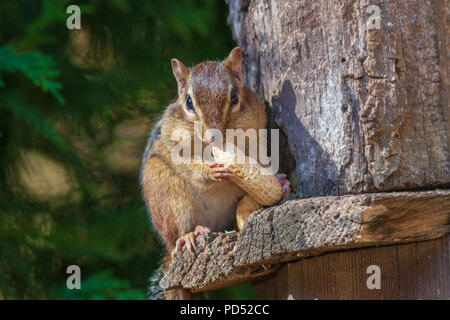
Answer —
(304, 228)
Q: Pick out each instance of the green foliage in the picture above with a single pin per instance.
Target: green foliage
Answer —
(102, 286)
(75, 108)
(38, 67)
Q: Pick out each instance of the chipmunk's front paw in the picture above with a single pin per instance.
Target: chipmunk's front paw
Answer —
(189, 239)
(220, 172)
(285, 185)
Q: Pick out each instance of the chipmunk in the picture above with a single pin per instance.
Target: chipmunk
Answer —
(189, 199)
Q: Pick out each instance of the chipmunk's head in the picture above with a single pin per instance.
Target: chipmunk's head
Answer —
(210, 92)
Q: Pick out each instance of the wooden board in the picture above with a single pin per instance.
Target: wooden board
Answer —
(309, 227)
(419, 270)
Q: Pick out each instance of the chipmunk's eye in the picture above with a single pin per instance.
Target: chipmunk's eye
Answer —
(234, 97)
(189, 105)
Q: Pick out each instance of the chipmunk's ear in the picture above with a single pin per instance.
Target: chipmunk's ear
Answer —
(181, 73)
(233, 63)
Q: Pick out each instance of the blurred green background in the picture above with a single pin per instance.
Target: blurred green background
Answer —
(75, 109)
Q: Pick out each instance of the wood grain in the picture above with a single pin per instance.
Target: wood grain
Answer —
(419, 270)
(310, 227)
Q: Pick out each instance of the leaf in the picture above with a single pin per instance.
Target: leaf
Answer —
(38, 67)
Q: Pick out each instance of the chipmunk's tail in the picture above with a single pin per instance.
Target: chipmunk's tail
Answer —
(155, 292)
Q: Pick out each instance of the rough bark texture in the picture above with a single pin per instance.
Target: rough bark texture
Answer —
(363, 109)
(308, 227)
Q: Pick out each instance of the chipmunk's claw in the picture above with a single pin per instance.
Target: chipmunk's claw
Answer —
(201, 230)
(285, 185)
(189, 239)
(219, 172)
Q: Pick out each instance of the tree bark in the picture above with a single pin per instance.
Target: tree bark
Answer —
(363, 109)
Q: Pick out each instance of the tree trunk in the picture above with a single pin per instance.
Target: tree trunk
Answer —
(364, 106)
